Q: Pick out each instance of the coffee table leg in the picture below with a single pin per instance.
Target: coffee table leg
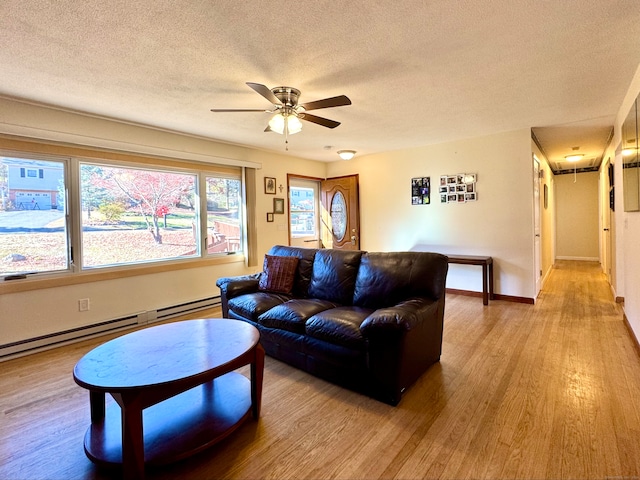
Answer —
(257, 374)
(97, 405)
(132, 442)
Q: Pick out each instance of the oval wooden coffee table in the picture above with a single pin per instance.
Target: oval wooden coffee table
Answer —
(176, 388)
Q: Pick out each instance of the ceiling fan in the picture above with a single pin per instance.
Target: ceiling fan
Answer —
(286, 111)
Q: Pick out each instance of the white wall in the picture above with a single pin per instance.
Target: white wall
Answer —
(627, 226)
(577, 227)
(499, 224)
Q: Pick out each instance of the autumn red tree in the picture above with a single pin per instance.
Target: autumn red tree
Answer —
(152, 193)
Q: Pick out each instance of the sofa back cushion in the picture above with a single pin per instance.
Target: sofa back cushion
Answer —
(334, 275)
(305, 265)
(385, 279)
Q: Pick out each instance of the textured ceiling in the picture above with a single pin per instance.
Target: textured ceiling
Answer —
(417, 72)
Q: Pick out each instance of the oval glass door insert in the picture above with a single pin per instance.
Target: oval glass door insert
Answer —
(339, 216)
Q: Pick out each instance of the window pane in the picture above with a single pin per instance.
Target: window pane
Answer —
(223, 215)
(303, 217)
(33, 231)
(136, 215)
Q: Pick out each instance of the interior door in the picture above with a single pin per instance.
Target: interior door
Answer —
(340, 213)
(607, 203)
(536, 225)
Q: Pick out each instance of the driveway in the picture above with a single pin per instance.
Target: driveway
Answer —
(31, 221)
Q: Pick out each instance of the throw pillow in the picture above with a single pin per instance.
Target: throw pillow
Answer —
(278, 274)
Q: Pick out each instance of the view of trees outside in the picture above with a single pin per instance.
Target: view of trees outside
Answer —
(127, 212)
(129, 215)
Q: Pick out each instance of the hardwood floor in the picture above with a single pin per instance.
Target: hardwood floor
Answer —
(522, 392)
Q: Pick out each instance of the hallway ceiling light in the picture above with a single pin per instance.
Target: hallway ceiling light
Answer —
(346, 154)
(574, 158)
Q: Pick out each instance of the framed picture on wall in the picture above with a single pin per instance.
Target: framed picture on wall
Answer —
(278, 205)
(420, 190)
(269, 216)
(270, 185)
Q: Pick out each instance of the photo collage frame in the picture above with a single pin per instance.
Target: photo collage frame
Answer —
(420, 191)
(458, 188)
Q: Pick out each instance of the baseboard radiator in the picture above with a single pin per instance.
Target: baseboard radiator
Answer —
(46, 342)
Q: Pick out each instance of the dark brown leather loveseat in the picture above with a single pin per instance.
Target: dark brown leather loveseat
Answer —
(371, 322)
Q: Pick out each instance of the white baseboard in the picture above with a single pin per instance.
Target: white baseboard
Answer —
(46, 342)
(582, 259)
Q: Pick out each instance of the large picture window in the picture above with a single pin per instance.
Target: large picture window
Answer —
(77, 214)
(136, 215)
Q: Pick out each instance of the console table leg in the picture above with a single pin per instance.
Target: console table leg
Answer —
(485, 292)
(257, 374)
(491, 296)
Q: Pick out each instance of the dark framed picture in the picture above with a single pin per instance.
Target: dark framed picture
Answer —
(420, 190)
(278, 205)
(270, 185)
(269, 216)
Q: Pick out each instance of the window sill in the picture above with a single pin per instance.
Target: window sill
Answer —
(65, 279)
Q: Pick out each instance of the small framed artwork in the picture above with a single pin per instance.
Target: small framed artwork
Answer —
(270, 185)
(420, 191)
(269, 216)
(278, 205)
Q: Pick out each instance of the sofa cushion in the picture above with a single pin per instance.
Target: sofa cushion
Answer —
(305, 266)
(386, 278)
(339, 325)
(292, 315)
(252, 305)
(278, 274)
(334, 275)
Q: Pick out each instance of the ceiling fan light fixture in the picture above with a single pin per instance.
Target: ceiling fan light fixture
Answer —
(574, 157)
(346, 154)
(278, 121)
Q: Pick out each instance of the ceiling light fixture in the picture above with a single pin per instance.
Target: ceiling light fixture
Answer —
(282, 122)
(346, 154)
(627, 152)
(574, 157)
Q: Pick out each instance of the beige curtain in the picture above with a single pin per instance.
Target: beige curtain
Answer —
(252, 226)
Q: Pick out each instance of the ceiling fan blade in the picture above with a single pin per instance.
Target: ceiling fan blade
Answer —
(268, 129)
(338, 101)
(325, 122)
(237, 110)
(265, 92)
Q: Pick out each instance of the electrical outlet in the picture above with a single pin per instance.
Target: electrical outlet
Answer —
(83, 305)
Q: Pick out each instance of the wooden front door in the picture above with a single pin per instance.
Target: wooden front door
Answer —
(340, 213)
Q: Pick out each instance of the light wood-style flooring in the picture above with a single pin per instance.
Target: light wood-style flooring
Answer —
(541, 391)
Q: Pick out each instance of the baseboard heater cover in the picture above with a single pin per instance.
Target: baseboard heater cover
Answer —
(45, 342)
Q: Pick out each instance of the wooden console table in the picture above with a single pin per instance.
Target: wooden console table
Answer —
(487, 272)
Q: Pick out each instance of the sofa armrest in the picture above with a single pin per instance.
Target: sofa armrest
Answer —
(404, 316)
(403, 341)
(231, 287)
